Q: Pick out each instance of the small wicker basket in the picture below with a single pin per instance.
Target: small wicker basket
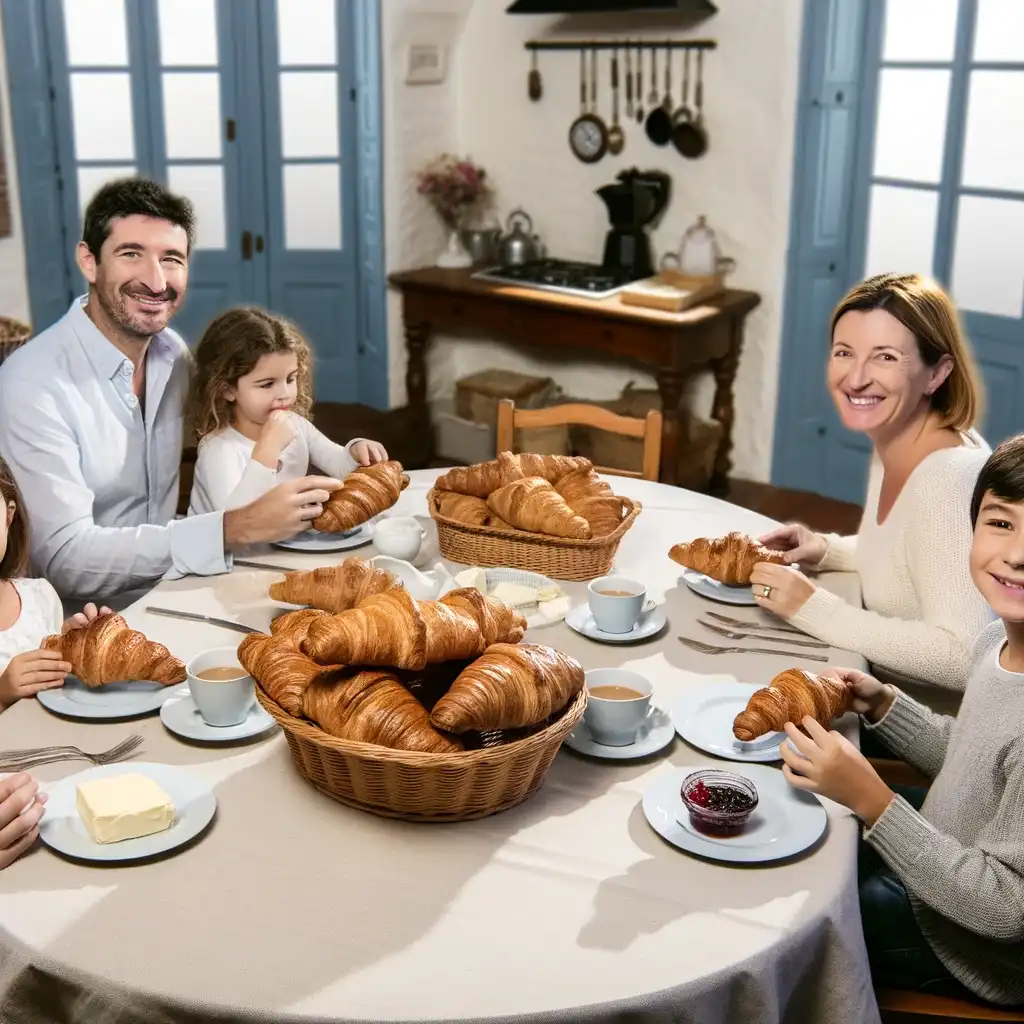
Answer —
(13, 334)
(560, 558)
(419, 786)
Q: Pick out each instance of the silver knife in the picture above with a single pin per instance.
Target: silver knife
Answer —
(262, 565)
(194, 617)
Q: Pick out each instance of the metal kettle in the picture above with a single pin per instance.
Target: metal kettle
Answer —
(519, 244)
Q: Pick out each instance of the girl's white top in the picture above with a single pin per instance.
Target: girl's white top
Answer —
(41, 615)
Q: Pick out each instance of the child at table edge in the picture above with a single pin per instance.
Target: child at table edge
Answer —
(249, 402)
(942, 886)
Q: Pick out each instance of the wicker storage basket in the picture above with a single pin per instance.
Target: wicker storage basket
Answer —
(560, 558)
(13, 334)
(418, 786)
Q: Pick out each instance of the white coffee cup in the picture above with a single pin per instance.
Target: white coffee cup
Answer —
(399, 537)
(221, 702)
(616, 602)
(615, 721)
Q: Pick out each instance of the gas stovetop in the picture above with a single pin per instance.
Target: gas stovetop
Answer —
(590, 280)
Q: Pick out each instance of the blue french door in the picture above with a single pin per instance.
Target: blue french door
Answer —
(922, 172)
(249, 110)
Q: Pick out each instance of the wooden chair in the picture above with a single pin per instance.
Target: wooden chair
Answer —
(917, 1004)
(510, 418)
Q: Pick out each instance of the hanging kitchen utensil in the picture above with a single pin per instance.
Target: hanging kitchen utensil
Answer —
(682, 120)
(588, 134)
(629, 81)
(659, 120)
(534, 84)
(616, 136)
(639, 85)
(693, 141)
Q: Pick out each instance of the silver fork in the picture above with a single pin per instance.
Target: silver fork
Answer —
(33, 757)
(704, 648)
(740, 624)
(734, 635)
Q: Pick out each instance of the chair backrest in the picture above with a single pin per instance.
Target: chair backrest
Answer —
(649, 429)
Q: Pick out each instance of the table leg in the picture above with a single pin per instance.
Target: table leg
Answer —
(670, 388)
(723, 408)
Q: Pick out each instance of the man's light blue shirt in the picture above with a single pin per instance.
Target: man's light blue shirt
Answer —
(98, 477)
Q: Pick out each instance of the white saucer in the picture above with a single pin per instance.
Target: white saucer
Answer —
(181, 716)
(785, 822)
(108, 703)
(63, 829)
(649, 624)
(707, 587)
(656, 733)
(315, 542)
(704, 717)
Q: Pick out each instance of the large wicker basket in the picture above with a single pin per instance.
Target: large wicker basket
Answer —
(560, 558)
(425, 787)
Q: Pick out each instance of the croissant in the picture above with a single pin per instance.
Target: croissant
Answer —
(107, 651)
(372, 706)
(499, 623)
(533, 504)
(294, 625)
(481, 479)
(364, 493)
(510, 686)
(591, 497)
(466, 509)
(729, 559)
(790, 697)
(552, 467)
(334, 587)
(281, 669)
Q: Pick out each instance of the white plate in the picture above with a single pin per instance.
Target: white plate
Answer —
(181, 716)
(63, 830)
(656, 733)
(108, 703)
(704, 717)
(785, 822)
(314, 542)
(650, 623)
(707, 587)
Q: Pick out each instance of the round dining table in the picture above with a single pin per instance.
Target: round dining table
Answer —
(568, 907)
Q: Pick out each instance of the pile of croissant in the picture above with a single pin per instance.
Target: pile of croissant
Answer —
(557, 495)
(364, 493)
(790, 697)
(729, 559)
(389, 670)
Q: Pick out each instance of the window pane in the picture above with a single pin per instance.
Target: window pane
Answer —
(91, 178)
(188, 32)
(988, 258)
(994, 140)
(95, 31)
(306, 32)
(204, 186)
(999, 30)
(192, 115)
(901, 230)
(309, 113)
(919, 29)
(312, 206)
(910, 132)
(101, 112)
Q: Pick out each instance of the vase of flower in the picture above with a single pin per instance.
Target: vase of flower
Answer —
(456, 188)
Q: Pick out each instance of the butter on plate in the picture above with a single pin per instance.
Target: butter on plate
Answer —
(122, 807)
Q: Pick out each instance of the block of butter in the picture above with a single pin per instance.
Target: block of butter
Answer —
(123, 807)
(515, 595)
(475, 578)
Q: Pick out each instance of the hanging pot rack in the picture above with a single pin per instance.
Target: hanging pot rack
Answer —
(621, 44)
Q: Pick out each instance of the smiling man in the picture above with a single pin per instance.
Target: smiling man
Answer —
(91, 417)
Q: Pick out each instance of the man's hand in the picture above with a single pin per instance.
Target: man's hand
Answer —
(84, 617)
(18, 831)
(278, 432)
(366, 453)
(280, 514)
(832, 766)
(26, 674)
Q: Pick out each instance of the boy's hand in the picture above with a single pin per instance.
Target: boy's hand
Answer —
(276, 435)
(366, 453)
(832, 766)
(868, 696)
(84, 617)
(26, 674)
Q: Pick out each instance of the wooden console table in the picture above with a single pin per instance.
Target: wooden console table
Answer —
(674, 346)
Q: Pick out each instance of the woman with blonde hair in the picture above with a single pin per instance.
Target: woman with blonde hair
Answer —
(900, 371)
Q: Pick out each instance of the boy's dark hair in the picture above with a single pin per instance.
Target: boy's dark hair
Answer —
(1002, 475)
(127, 196)
(15, 560)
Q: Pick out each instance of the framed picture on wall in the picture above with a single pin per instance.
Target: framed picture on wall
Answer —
(425, 64)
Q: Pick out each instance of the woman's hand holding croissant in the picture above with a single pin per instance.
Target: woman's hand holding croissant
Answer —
(780, 589)
(800, 544)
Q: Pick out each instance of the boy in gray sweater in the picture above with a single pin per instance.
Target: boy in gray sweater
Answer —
(942, 883)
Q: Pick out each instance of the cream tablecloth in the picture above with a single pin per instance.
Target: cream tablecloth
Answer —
(568, 908)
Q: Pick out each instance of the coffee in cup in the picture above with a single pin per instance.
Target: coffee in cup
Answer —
(616, 603)
(618, 702)
(399, 537)
(223, 691)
